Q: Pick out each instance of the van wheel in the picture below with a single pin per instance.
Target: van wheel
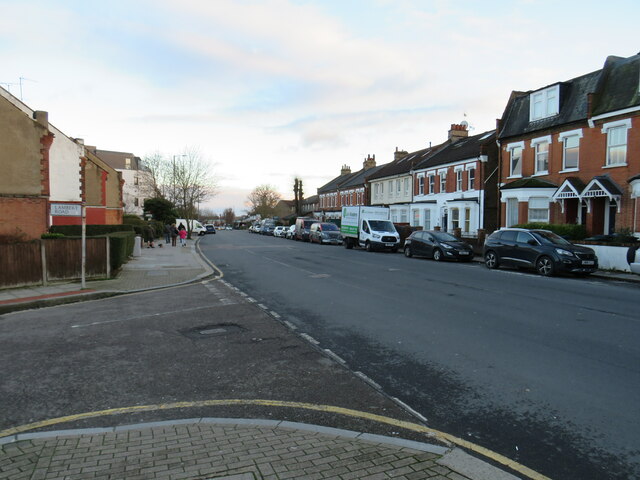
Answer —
(367, 247)
(491, 260)
(544, 266)
(407, 252)
(437, 255)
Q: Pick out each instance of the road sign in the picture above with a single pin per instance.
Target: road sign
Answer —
(66, 209)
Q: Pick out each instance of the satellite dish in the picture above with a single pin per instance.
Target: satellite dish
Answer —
(464, 123)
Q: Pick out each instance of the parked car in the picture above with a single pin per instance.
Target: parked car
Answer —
(209, 228)
(267, 227)
(303, 224)
(541, 250)
(291, 232)
(322, 232)
(437, 245)
(279, 231)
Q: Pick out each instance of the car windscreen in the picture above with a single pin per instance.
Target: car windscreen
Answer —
(381, 225)
(550, 238)
(330, 227)
(308, 223)
(445, 237)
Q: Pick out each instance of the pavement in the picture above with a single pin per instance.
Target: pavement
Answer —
(207, 448)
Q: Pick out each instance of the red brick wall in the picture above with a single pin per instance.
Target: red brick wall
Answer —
(592, 159)
(23, 216)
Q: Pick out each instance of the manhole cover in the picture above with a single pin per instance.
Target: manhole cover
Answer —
(208, 331)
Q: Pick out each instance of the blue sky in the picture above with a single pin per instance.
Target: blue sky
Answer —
(273, 89)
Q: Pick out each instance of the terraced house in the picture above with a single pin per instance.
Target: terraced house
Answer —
(455, 184)
(570, 151)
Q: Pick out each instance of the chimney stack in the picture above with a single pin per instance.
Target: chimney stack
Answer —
(345, 169)
(42, 118)
(398, 154)
(458, 131)
(369, 162)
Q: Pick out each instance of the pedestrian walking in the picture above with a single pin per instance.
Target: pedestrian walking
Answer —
(174, 234)
(183, 237)
(167, 233)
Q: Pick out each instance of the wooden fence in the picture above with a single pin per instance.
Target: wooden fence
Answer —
(42, 261)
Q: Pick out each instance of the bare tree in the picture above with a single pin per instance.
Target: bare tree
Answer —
(228, 216)
(192, 182)
(263, 200)
(157, 176)
(298, 195)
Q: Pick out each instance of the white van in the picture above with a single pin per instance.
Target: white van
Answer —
(369, 228)
(193, 226)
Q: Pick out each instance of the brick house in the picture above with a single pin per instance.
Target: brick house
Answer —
(136, 186)
(392, 186)
(455, 183)
(348, 189)
(66, 174)
(25, 142)
(570, 151)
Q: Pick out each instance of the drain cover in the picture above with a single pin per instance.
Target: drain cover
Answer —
(207, 331)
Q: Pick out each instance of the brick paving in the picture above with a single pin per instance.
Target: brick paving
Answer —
(208, 451)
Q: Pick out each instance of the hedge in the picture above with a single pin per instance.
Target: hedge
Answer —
(120, 248)
(92, 230)
(569, 231)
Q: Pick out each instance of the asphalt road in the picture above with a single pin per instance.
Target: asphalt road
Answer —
(545, 371)
(191, 346)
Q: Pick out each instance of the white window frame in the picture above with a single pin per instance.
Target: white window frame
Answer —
(549, 101)
(540, 204)
(432, 183)
(406, 186)
(458, 171)
(562, 139)
(454, 215)
(610, 127)
(535, 144)
(421, 185)
(471, 177)
(511, 148)
(443, 180)
(427, 219)
(512, 206)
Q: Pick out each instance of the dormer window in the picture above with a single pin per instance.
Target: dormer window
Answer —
(544, 103)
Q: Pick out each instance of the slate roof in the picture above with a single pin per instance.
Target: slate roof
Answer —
(335, 183)
(403, 165)
(463, 149)
(360, 177)
(609, 185)
(528, 182)
(614, 87)
(117, 159)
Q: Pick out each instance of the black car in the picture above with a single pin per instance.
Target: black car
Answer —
(541, 250)
(437, 245)
(209, 229)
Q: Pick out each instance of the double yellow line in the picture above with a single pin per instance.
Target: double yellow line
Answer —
(496, 457)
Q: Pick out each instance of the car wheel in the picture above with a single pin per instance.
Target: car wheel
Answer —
(491, 260)
(544, 266)
(407, 252)
(367, 247)
(437, 255)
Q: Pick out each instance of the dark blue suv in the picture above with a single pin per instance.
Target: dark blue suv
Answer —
(541, 250)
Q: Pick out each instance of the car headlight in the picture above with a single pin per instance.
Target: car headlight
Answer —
(376, 236)
(448, 247)
(562, 251)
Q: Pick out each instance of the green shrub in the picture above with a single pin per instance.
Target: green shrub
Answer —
(120, 248)
(566, 230)
(92, 230)
(45, 236)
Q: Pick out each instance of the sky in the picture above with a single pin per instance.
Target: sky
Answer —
(271, 90)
